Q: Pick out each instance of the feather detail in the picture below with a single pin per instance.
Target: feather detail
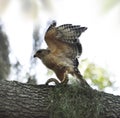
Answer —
(53, 24)
(69, 33)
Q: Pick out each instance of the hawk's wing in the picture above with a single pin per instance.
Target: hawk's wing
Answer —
(63, 40)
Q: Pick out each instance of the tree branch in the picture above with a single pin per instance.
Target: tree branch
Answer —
(18, 100)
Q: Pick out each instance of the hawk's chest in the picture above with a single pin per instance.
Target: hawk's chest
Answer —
(58, 63)
(51, 61)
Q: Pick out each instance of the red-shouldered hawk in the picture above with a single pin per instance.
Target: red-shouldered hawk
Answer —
(63, 50)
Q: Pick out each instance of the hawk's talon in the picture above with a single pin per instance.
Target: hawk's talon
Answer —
(64, 82)
(52, 80)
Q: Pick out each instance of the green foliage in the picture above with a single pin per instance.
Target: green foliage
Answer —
(98, 76)
(66, 102)
(109, 4)
(49, 72)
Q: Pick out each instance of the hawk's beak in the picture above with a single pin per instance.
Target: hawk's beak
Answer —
(35, 55)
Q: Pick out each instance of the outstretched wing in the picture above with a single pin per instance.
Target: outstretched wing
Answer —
(64, 39)
(69, 33)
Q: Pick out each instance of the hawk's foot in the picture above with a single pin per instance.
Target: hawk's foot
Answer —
(52, 80)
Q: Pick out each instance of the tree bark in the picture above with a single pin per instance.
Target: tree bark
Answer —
(19, 100)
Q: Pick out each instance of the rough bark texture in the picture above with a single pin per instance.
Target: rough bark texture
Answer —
(18, 100)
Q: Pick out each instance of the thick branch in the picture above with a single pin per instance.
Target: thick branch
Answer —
(23, 100)
(18, 100)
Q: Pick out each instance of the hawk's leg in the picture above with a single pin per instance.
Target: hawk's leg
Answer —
(64, 81)
(63, 75)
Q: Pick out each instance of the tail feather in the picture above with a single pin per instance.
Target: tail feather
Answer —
(70, 33)
(80, 77)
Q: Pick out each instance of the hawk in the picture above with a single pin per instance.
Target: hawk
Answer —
(63, 50)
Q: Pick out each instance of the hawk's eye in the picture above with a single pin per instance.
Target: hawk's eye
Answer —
(39, 51)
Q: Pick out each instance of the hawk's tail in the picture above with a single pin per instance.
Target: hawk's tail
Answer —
(80, 77)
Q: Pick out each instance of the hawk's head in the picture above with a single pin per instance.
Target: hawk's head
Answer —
(41, 53)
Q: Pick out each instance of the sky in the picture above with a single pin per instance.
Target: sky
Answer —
(100, 42)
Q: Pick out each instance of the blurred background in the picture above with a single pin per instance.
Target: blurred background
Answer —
(24, 22)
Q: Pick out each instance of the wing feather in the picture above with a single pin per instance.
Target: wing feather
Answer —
(69, 33)
(65, 39)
